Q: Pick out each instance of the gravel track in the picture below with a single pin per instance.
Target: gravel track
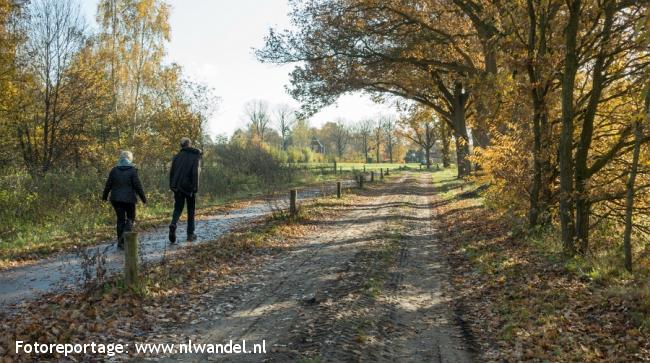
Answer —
(366, 286)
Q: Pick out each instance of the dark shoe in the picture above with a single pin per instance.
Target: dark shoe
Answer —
(172, 233)
(120, 243)
(191, 237)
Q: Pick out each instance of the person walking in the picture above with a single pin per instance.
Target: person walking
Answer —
(184, 182)
(123, 184)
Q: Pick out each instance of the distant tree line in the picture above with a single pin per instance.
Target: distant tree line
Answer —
(385, 138)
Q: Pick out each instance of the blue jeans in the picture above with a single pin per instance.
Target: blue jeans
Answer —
(179, 202)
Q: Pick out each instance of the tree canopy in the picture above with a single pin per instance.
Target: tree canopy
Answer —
(547, 94)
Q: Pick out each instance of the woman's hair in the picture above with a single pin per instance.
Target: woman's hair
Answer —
(126, 154)
(186, 142)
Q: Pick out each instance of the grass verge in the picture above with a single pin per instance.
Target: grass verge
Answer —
(524, 301)
(76, 228)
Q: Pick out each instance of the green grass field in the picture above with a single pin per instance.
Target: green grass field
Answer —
(357, 166)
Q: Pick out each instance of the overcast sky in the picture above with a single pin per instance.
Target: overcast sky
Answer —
(213, 41)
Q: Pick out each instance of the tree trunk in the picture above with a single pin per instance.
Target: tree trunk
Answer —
(462, 138)
(376, 161)
(629, 200)
(446, 140)
(365, 150)
(582, 173)
(534, 208)
(480, 136)
(565, 148)
(540, 194)
(462, 152)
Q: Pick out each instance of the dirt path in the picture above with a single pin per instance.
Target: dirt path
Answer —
(367, 286)
(64, 271)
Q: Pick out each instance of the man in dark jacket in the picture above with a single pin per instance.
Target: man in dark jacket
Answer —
(184, 182)
(124, 184)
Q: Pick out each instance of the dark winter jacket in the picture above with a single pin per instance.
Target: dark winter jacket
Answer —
(123, 184)
(184, 173)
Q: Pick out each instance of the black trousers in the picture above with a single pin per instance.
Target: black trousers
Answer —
(125, 213)
(179, 202)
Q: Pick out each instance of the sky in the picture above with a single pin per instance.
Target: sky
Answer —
(213, 40)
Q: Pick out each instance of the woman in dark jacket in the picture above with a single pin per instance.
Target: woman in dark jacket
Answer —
(124, 184)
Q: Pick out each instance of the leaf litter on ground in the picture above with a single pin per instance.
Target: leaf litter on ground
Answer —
(522, 306)
(176, 291)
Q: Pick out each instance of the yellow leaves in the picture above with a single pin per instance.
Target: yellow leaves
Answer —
(144, 7)
(507, 167)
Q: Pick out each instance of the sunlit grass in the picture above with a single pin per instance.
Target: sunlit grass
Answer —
(445, 175)
(358, 166)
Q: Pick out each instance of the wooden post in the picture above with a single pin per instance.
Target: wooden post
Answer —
(338, 189)
(361, 181)
(131, 276)
(340, 170)
(293, 194)
(387, 171)
(364, 168)
(372, 176)
(381, 174)
(334, 167)
(420, 166)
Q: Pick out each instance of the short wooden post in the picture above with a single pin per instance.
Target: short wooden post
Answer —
(334, 167)
(420, 166)
(131, 276)
(338, 189)
(381, 174)
(293, 194)
(387, 171)
(361, 181)
(372, 176)
(364, 168)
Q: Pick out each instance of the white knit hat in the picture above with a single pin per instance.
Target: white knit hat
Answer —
(125, 154)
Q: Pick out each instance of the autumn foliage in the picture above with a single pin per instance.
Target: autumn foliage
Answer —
(551, 95)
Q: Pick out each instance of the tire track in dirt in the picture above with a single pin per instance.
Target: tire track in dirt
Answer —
(256, 310)
(367, 286)
(409, 319)
(327, 332)
(424, 328)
